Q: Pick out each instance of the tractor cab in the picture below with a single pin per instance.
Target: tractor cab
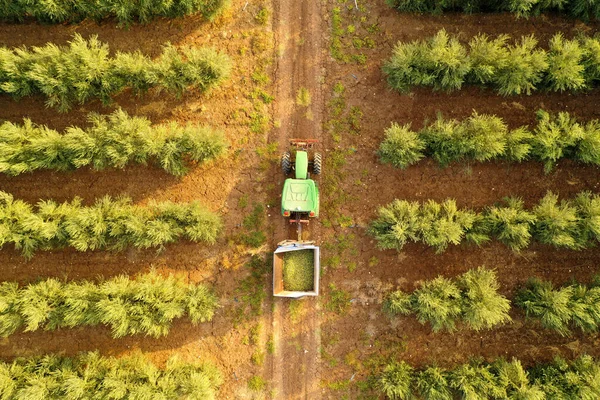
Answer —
(300, 196)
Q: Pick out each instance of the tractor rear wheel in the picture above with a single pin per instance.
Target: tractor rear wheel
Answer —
(286, 163)
(317, 167)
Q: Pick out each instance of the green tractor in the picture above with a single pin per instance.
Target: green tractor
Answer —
(300, 196)
(296, 262)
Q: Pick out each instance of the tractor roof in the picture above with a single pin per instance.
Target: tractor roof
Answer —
(299, 195)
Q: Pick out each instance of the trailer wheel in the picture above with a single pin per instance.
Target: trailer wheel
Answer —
(317, 167)
(286, 163)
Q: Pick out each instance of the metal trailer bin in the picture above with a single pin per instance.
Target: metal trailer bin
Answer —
(278, 258)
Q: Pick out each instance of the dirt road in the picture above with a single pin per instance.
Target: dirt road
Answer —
(298, 29)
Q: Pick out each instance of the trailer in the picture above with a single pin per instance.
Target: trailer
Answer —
(296, 262)
(285, 249)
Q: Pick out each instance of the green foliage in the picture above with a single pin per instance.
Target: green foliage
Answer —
(436, 224)
(440, 61)
(432, 384)
(398, 302)
(84, 70)
(444, 61)
(113, 224)
(396, 380)
(524, 68)
(339, 300)
(401, 146)
(588, 212)
(588, 149)
(258, 358)
(557, 223)
(511, 224)
(569, 380)
(500, 379)
(482, 306)
(479, 137)
(397, 224)
(591, 59)
(442, 224)
(513, 377)
(417, 6)
(146, 305)
(582, 9)
(566, 71)
(112, 141)
(488, 58)
(52, 377)
(437, 302)
(572, 224)
(518, 146)
(257, 383)
(60, 11)
(262, 16)
(559, 309)
(512, 67)
(473, 298)
(555, 137)
(475, 381)
(486, 137)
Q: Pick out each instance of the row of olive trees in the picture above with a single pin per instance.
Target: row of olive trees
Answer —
(90, 376)
(59, 11)
(85, 70)
(559, 309)
(111, 141)
(583, 9)
(511, 67)
(500, 379)
(571, 224)
(472, 298)
(146, 305)
(487, 137)
(113, 224)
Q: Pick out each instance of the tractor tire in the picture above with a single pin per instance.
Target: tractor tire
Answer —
(317, 164)
(286, 163)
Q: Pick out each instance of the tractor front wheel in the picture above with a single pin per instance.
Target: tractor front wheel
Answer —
(317, 164)
(286, 163)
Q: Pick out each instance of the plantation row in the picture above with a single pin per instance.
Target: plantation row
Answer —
(473, 299)
(83, 70)
(500, 379)
(512, 68)
(146, 305)
(576, 8)
(572, 224)
(112, 141)
(90, 376)
(487, 137)
(109, 224)
(574, 305)
(59, 11)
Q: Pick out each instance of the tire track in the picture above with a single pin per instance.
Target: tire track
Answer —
(297, 27)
